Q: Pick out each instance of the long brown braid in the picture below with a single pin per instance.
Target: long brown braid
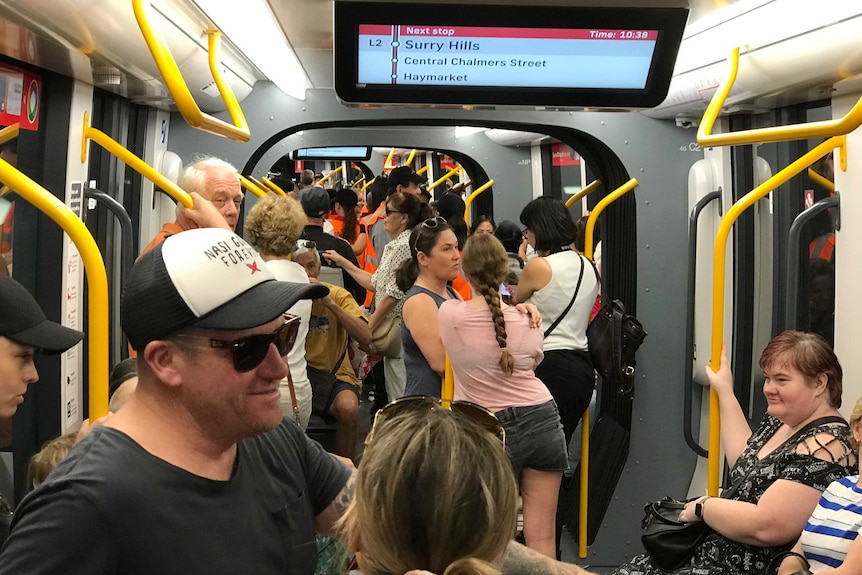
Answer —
(485, 264)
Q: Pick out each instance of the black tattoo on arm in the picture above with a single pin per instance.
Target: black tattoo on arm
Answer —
(518, 560)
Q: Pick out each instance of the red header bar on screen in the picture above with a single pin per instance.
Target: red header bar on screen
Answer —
(488, 32)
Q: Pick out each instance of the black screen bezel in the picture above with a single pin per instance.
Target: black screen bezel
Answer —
(670, 22)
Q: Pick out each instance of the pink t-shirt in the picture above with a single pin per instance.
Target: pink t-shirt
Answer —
(469, 338)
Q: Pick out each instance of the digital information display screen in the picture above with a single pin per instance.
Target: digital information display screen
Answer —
(473, 54)
(333, 153)
(505, 57)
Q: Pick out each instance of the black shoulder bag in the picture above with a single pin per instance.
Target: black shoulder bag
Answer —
(613, 338)
(322, 384)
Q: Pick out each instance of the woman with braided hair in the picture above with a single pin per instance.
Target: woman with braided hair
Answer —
(494, 350)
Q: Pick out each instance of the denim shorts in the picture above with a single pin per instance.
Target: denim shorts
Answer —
(534, 437)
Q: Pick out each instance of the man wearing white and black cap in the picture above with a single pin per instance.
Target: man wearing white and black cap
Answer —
(315, 204)
(24, 331)
(198, 473)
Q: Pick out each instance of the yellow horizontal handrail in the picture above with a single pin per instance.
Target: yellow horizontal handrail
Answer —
(9, 133)
(594, 185)
(251, 186)
(330, 174)
(826, 128)
(472, 197)
(97, 279)
(273, 186)
(131, 160)
(422, 170)
(585, 419)
(444, 178)
(366, 184)
(718, 283)
(410, 157)
(819, 179)
(178, 89)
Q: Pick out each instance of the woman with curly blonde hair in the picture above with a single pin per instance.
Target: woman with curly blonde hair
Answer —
(434, 492)
(273, 226)
(494, 352)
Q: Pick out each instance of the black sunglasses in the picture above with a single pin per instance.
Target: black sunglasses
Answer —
(248, 352)
(473, 411)
(389, 211)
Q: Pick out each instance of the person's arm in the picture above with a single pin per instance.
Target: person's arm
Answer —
(536, 275)
(361, 242)
(420, 317)
(519, 560)
(792, 563)
(356, 326)
(361, 276)
(771, 521)
(734, 426)
(325, 521)
(203, 214)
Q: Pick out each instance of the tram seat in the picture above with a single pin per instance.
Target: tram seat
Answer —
(331, 275)
(322, 431)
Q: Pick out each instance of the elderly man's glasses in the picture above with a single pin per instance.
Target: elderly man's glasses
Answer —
(248, 352)
(475, 412)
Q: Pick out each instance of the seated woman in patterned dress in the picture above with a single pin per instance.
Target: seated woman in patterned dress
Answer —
(780, 481)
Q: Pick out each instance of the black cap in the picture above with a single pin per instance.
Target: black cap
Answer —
(22, 320)
(402, 176)
(315, 202)
(347, 198)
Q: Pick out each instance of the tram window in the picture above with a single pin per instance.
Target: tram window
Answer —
(568, 56)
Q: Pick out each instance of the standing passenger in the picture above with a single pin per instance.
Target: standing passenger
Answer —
(24, 330)
(424, 278)
(198, 473)
(563, 286)
(273, 225)
(494, 351)
(214, 181)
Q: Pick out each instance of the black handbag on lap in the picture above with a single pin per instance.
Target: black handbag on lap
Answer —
(669, 542)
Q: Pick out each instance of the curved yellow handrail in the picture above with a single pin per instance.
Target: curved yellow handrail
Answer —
(718, 284)
(137, 164)
(330, 174)
(178, 89)
(444, 178)
(388, 158)
(410, 157)
(593, 186)
(472, 197)
(251, 186)
(817, 178)
(9, 133)
(272, 186)
(585, 420)
(97, 279)
(447, 392)
(826, 128)
(366, 184)
(264, 187)
(422, 170)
